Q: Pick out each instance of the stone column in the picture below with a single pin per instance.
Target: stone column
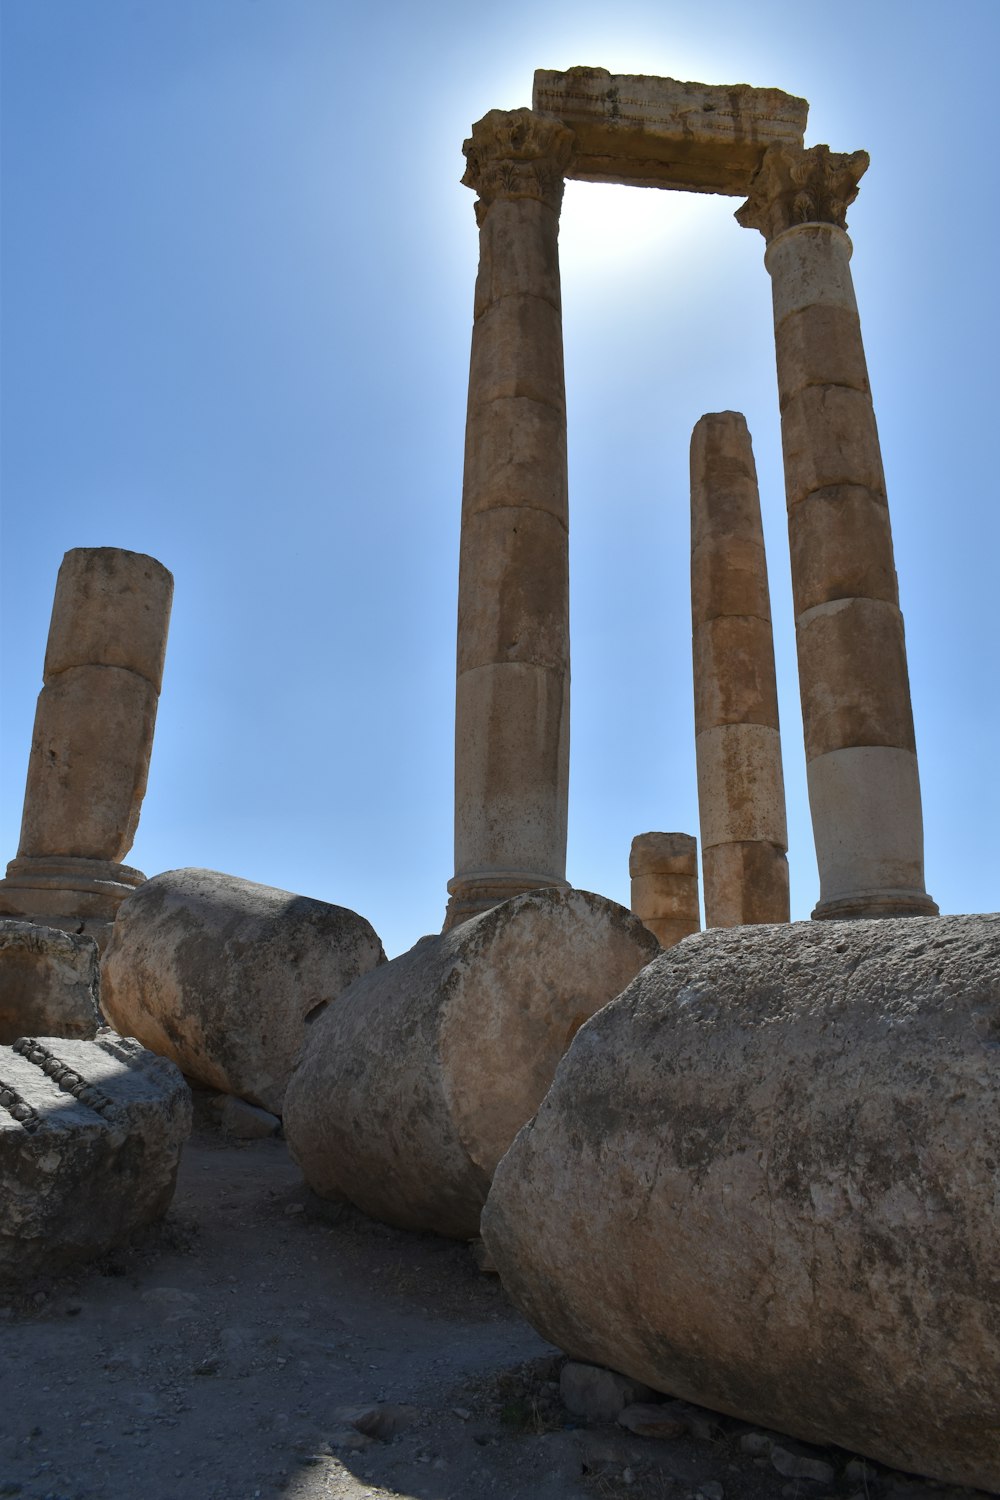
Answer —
(92, 740)
(512, 699)
(664, 871)
(864, 790)
(741, 789)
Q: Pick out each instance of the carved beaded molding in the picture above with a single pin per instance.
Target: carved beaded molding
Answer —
(65, 1078)
(802, 185)
(517, 154)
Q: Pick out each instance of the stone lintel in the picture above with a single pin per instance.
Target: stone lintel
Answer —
(658, 132)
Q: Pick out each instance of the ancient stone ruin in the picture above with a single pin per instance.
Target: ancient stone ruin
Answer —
(512, 708)
(92, 741)
(755, 1170)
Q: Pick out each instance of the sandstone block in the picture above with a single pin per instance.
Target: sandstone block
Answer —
(734, 672)
(111, 608)
(508, 458)
(852, 676)
(514, 592)
(829, 437)
(664, 873)
(729, 577)
(821, 345)
(511, 767)
(410, 1089)
(89, 760)
(517, 257)
(224, 976)
(841, 547)
(741, 789)
(517, 351)
(745, 882)
(659, 132)
(49, 983)
(90, 1138)
(763, 1180)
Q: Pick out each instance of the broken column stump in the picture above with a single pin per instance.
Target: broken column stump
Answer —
(664, 872)
(90, 1139)
(49, 982)
(92, 741)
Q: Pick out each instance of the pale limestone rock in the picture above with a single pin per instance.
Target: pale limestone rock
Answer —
(409, 1090)
(659, 132)
(512, 692)
(741, 790)
(49, 983)
(597, 1394)
(90, 1138)
(224, 976)
(852, 654)
(246, 1122)
(664, 873)
(92, 740)
(764, 1180)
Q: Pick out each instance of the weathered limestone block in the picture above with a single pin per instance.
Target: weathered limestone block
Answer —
(92, 740)
(664, 873)
(49, 983)
(90, 1139)
(409, 1090)
(764, 1180)
(224, 976)
(658, 132)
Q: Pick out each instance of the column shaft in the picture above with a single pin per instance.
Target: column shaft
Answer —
(864, 788)
(741, 791)
(664, 871)
(92, 740)
(512, 693)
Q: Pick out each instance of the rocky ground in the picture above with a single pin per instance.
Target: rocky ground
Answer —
(263, 1345)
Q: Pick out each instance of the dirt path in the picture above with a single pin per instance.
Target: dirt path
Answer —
(224, 1357)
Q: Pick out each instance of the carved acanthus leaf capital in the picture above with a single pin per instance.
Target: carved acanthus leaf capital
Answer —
(802, 185)
(517, 154)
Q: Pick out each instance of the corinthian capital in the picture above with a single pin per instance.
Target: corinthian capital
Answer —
(517, 154)
(800, 185)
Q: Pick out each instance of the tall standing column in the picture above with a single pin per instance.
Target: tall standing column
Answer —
(92, 741)
(741, 789)
(512, 698)
(864, 790)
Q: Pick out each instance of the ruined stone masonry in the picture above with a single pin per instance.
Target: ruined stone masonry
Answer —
(92, 741)
(512, 697)
(664, 872)
(741, 790)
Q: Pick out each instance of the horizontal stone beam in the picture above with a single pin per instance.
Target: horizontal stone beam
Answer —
(657, 132)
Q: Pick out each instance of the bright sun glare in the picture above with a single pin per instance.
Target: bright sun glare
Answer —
(602, 223)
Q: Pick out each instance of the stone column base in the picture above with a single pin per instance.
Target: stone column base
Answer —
(874, 904)
(67, 892)
(484, 889)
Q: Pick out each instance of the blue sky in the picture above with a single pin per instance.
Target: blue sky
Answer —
(237, 276)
